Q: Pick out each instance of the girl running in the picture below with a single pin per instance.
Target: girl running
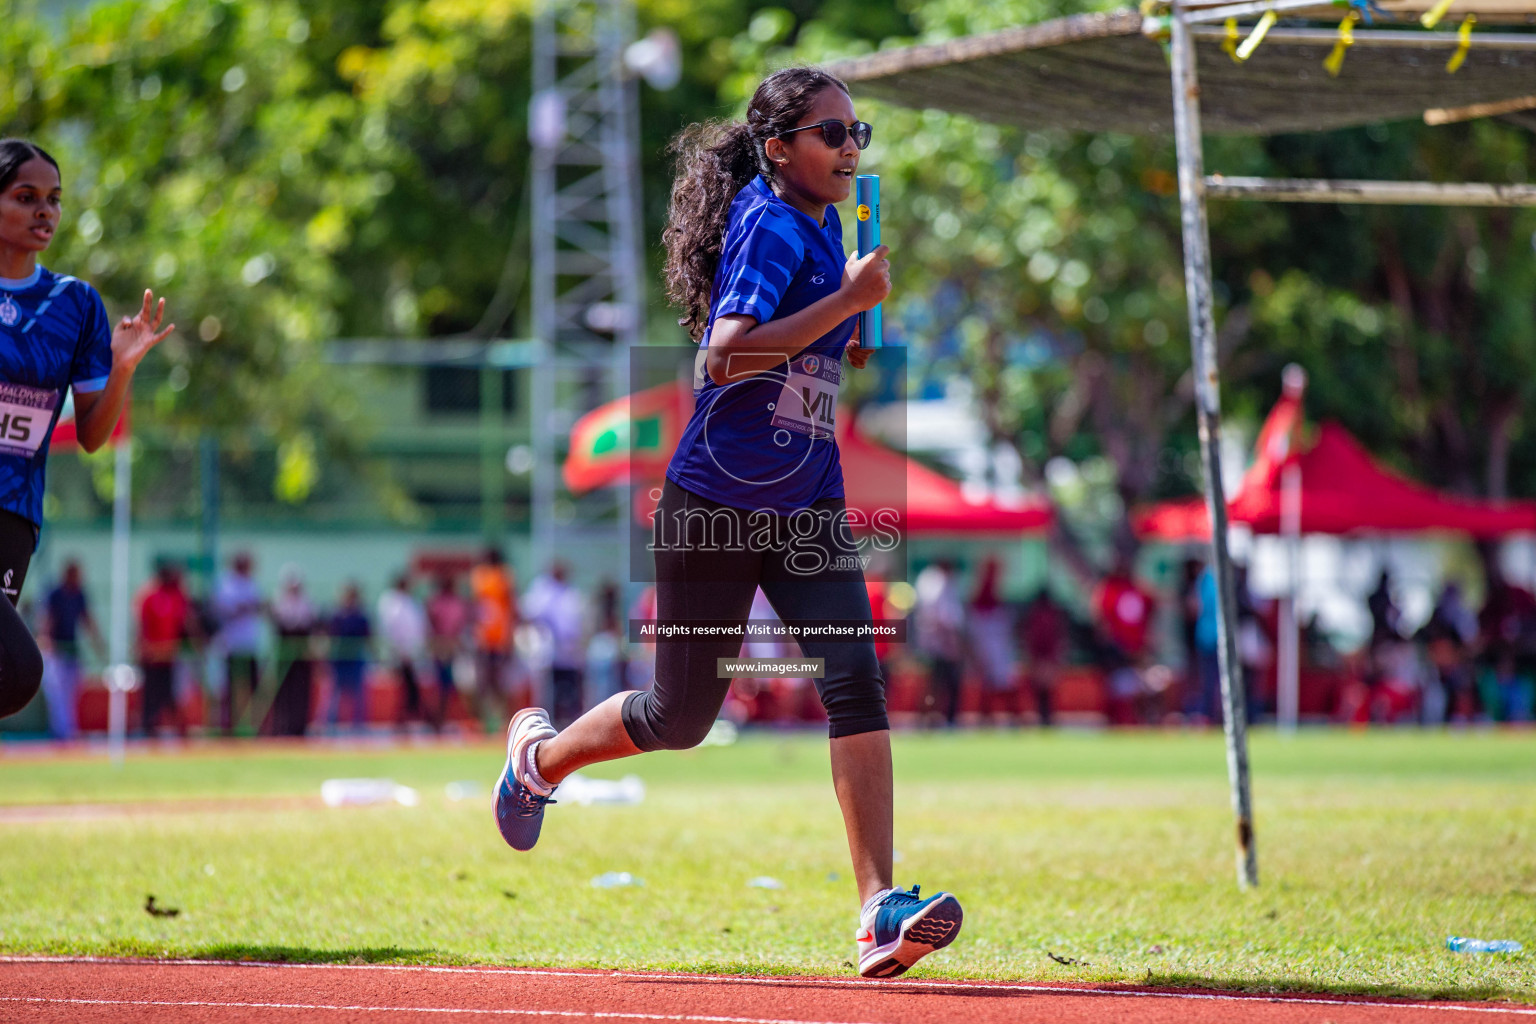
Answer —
(754, 493)
(54, 335)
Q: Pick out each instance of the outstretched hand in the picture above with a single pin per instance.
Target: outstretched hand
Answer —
(135, 336)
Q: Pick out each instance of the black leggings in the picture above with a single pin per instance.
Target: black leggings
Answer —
(21, 663)
(710, 560)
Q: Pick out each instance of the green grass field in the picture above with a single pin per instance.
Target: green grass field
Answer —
(1112, 850)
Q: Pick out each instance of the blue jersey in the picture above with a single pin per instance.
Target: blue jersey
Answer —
(766, 441)
(54, 335)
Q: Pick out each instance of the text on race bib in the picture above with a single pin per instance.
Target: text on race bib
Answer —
(807, 404)
(25, 413)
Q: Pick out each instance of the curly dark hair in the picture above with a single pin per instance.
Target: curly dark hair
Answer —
(14, 153)
(716, 160)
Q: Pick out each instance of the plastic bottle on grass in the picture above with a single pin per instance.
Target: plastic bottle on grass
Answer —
(1458, 944)
(464, 790)
(578, 789)
(355, 792)
(615, 880)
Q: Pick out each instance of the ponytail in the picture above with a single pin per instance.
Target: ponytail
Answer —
(716, 160)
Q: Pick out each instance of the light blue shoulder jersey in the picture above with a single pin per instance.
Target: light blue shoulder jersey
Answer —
(54, 335)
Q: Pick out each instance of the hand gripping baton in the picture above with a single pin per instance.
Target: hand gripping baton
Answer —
(867, 196)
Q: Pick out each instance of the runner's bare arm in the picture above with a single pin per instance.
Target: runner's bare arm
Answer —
(96, 412)
(741, 347)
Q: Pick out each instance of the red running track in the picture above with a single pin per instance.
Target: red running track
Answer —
(49, 990)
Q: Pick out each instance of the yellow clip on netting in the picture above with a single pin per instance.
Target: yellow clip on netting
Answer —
(1256, 37)
(1334, 62)
(1465, 35)
(1431, 17)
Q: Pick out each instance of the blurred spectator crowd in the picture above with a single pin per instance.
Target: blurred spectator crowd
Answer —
(975, 657)
(458, 647)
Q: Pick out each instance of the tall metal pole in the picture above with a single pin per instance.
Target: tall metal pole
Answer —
(547, 131)
(120, 676)
(1287, 708)
(493, 453)
(208, 523)
(1202, 331)
(587, 288)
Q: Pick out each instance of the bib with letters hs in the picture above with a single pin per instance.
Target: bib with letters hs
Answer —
(54, 336)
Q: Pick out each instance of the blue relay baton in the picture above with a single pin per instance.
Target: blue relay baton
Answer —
(866, 193)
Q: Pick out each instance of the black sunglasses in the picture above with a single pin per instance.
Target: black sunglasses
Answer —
(834, 133)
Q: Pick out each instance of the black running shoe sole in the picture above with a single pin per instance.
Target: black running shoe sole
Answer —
(936, 928)
(939, 927)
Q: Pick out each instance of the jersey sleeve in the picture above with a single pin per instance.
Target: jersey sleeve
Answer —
(762, 267)
(93, 352)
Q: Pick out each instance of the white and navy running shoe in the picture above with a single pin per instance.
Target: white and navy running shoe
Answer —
(897, 929)
(519, 807)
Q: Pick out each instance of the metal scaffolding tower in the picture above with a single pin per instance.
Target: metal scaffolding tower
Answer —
(588, 301)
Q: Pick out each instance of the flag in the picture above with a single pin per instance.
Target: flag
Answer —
(630, 438)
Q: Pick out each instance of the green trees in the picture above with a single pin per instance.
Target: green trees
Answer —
(203, 157)
(294, 172)
(289, 173)
(1419, 321)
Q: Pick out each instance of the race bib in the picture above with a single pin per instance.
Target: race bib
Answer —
(807, 403)
(25, 414)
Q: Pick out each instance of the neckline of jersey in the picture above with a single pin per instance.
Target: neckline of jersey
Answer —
(765, 189)
(21, 284)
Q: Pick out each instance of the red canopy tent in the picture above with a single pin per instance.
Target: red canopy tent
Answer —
(929, 502)
(920, 500)
(1342, 491)
(1331, 486)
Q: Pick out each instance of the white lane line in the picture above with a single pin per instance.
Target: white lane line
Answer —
(585, 1014)
(937, 986)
